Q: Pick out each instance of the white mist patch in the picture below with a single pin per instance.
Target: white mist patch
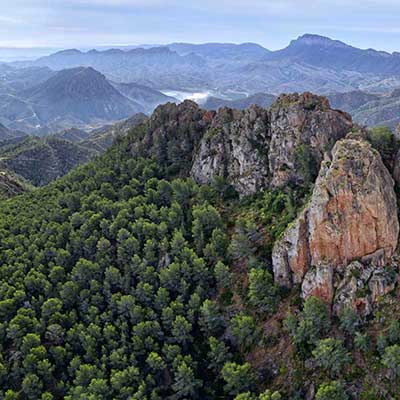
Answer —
(201, 97)
(198, 97)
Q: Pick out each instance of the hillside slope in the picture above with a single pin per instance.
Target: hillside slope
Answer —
(42, 160)
(126, 279)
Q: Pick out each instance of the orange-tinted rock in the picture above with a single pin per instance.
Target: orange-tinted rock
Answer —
(352, 214)
(353, 211)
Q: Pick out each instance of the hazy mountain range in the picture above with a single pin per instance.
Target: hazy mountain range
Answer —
(311, 62)
(88, 89)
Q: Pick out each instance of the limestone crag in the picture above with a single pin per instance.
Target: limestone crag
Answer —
(252, 149)
(302, 126)
(352, 215)
(257, 148)
(235, 147)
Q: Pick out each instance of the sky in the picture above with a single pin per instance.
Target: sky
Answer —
(271, 23)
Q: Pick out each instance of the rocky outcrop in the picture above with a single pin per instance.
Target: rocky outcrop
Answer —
(303, 127)
(318, 282)
(11, 185)
(352, 216)
(258, 148)
(236, 148)
(362, 284)
(172, 134)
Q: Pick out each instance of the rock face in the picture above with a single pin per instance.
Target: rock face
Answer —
(351, 216)
(302, 128)
(10, 184)
(235, 147)
(257, 148)
(252, 149)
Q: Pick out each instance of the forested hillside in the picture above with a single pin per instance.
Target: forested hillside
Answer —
(126, 279)
(112, 281)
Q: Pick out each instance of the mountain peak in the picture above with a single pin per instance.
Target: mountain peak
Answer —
(309, 39)
(68, 52)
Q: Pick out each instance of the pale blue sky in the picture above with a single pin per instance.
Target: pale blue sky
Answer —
(272, 23)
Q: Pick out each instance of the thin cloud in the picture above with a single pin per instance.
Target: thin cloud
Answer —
(272, 23)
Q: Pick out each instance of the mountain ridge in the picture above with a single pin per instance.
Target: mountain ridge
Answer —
(310, 62)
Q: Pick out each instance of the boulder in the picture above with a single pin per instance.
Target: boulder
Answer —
(352, 289)
(362, 285)
(318, 282)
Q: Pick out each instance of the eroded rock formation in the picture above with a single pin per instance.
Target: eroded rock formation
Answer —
(302, 126)
(352, 216)
(236, 147)
(258, 148)
(252, 149)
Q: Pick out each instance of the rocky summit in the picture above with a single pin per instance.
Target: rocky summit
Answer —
(348, 228)
(252, 149)
(350, 223)
(258, 148)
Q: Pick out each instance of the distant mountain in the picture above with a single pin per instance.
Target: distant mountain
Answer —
(19, 79)
(351, 101)
(102, 138)
(6, 134)
(245, 52)
(79, 97)
(261, 99)
(157, 67)
(320, 51)
(382, 111)
(131, 80)
(72, 98)
(146, 97)
(20, 53)
(310, 63)
(369, 109)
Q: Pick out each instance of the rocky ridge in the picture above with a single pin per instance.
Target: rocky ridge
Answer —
(340, 247)
(252, 149)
